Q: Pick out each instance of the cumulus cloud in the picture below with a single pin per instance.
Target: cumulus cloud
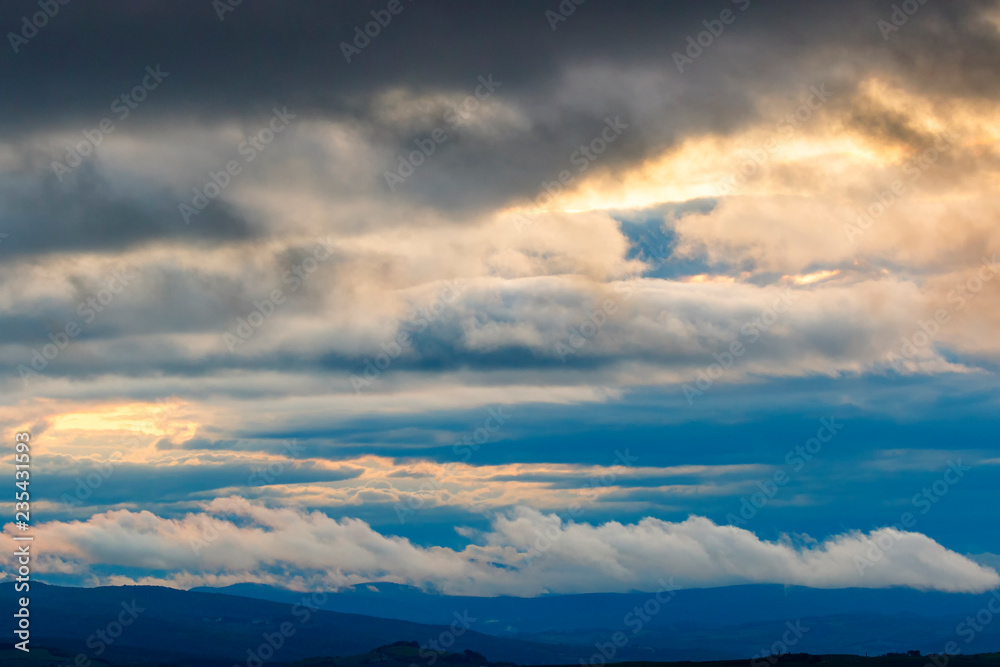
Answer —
(524, 553)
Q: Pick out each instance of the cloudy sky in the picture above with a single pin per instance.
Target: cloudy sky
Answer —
(505, 298)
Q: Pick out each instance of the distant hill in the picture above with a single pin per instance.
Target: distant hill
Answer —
(395, 657)
(40, 657)
(205, 629)
(404, 654)
(697, 624)
(729, 605)
(202, 629)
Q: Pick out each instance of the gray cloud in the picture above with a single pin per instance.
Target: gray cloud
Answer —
(250, 541)
(88, 212)
(602, 61)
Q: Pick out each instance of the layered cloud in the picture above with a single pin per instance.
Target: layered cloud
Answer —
(363, 255)
(524, 553)
(811, 217)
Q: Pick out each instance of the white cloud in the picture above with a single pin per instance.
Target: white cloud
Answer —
(524, 553)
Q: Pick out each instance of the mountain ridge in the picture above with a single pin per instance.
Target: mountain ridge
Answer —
(224, 626)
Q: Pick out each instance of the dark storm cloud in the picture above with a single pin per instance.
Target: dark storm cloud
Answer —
(87, 212)
(266, 54)
(154, 300)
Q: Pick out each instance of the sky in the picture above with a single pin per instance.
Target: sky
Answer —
(504, 299)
